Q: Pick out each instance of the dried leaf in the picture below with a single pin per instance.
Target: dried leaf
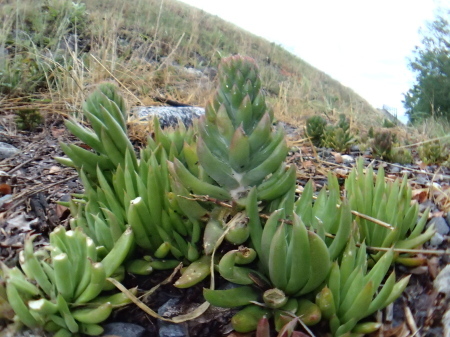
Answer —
(337, 157)
(5, 189)
(54, 169)
(62, 211)
(421, 195)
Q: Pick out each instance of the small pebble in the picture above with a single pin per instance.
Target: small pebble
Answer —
(123, 330)
(437, 239)
(167, 329)
(394, 169)
(440, 225)
(7, 150)
(347, 159)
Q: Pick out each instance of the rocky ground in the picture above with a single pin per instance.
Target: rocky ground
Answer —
(31, 183)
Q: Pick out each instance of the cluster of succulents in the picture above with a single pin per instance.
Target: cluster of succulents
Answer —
(192, 189)
(433, 152)
(389, 202)
(58, 287)
(315, 127)
(384, 146)
(337, 137)
(401, 155)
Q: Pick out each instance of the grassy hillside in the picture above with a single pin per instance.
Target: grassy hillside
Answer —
(53, 52)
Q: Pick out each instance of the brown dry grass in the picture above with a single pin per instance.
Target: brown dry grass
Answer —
(145, 46)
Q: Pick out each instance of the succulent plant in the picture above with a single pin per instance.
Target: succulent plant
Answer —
(389, 202)
(328, 215)
(315, 127)
(106, 112)
(338, 137)
(237, 147)
(433, 152)
(58, 288)
(190, 190)
(121, 190)
(401, 156)
(352, 292)
(382, 144)
(293, 261)
(28, 119)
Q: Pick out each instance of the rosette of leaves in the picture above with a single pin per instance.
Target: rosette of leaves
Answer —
(352, 292)
(292, 262)
(237, 146)
(338, 137)
(389, 202)
(315, 127)
(58, 287)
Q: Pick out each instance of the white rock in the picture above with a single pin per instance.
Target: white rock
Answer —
(442, 285)
(442, 281)
(347, 159)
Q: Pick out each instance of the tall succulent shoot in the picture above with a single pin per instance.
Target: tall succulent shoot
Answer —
(106, 112)
(237, 146)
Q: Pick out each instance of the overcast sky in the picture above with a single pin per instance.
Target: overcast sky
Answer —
(363, 44)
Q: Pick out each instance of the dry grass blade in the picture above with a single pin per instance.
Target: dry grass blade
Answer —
(115, 78)
(411, 322)
(177, 319)
(375, 221)
(410, 251)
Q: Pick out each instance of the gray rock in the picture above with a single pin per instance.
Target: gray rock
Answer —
(427, 203)
(173, 330)
(442, 229)
(167, 329)
(168, 116)
(440, 225)
(422, 179)
(405, 172)
(123, 330)
(394, 169)
(7, 150)
(436, 240)
(194, 72)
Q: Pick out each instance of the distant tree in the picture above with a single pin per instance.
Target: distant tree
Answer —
(430, 95)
